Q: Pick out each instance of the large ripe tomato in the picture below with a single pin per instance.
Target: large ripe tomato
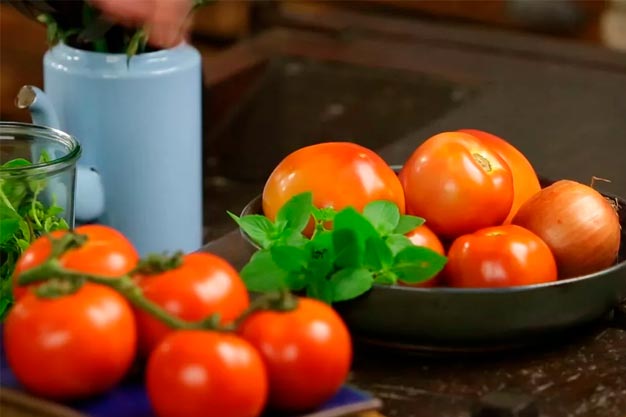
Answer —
(70, 347)
(202, 373)
(525, 180)
(423, 236)
(457, 184)
(339, 174)
(204, 284)
(107, 252)
(501, 256)
(307, 352)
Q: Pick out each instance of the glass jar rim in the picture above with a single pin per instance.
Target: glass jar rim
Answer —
(74, 149)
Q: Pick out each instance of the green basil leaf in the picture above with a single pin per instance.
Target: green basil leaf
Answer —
(321, 289)
(416, 264)
(377, 254)
(7, 212)
(289, 258)
(408, 223)
(25, 230)
(397, 242)
(48, 224)
(259, 228)
(384, 215)
(320, 254)
(347, 248)
(8, 228)
(6, 297)
(293, 238)
(349, 218)
(350, 283)
(54, 211)
(324, 214)
(15, 192)
(296, 281)
(262, 274)
(16, 163)
(386, 278)
(23, 244)
(296, 212)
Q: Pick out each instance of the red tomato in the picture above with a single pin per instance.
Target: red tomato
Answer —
(423, 236)
(307, 352)
(72, 346)
(204, 284)
(457, 184)
(502, 256)
(202, 373)
(107, 252)
(525, 180)
(339, 174)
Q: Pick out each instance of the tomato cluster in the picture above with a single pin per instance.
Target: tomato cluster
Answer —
(85, 342)
(469, 186)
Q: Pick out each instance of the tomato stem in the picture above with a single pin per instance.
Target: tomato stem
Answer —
(157, 263)
(57, 278)
(275, 301)
(482, 161)
(122, 284)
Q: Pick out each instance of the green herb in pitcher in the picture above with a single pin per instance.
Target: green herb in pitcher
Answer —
(23, 218)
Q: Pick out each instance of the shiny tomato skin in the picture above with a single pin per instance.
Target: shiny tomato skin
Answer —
(204, 284)
(107, 252)
(423, 236)
(339, 174)
(71, 347)
(307, 353)
(457, 184)
(194, 373)
(501, 256)
(525, 180)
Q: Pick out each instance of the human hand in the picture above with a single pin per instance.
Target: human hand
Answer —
(166, 19)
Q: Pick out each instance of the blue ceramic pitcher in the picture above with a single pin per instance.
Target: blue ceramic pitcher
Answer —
(139, 124)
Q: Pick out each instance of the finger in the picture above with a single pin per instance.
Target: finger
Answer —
(136, 11)
(169, 23)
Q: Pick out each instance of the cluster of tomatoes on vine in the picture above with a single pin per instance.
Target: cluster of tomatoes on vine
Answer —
(87, 310)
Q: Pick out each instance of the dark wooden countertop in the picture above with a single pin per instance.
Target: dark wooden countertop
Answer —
(569, 117)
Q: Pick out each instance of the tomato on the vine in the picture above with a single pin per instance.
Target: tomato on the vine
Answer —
(501, 256)
(339, 174)
(73, 346)
(107, 252)
(423, 236)
(458, 184)
(525, 180)
(307, 352)
(202, 285)
(204, 373)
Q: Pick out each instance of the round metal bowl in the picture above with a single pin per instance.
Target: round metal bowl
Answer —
(453, 319)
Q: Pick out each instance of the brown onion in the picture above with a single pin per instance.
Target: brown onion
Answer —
(580, 226)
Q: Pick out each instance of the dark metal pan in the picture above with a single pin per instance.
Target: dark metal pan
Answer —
(454, 319)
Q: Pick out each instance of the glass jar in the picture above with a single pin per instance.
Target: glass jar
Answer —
(37, 185)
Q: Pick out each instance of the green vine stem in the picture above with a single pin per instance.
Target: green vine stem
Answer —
(60, 281)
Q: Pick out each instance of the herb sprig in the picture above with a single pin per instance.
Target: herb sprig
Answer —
(23, 218)
(346, 254)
